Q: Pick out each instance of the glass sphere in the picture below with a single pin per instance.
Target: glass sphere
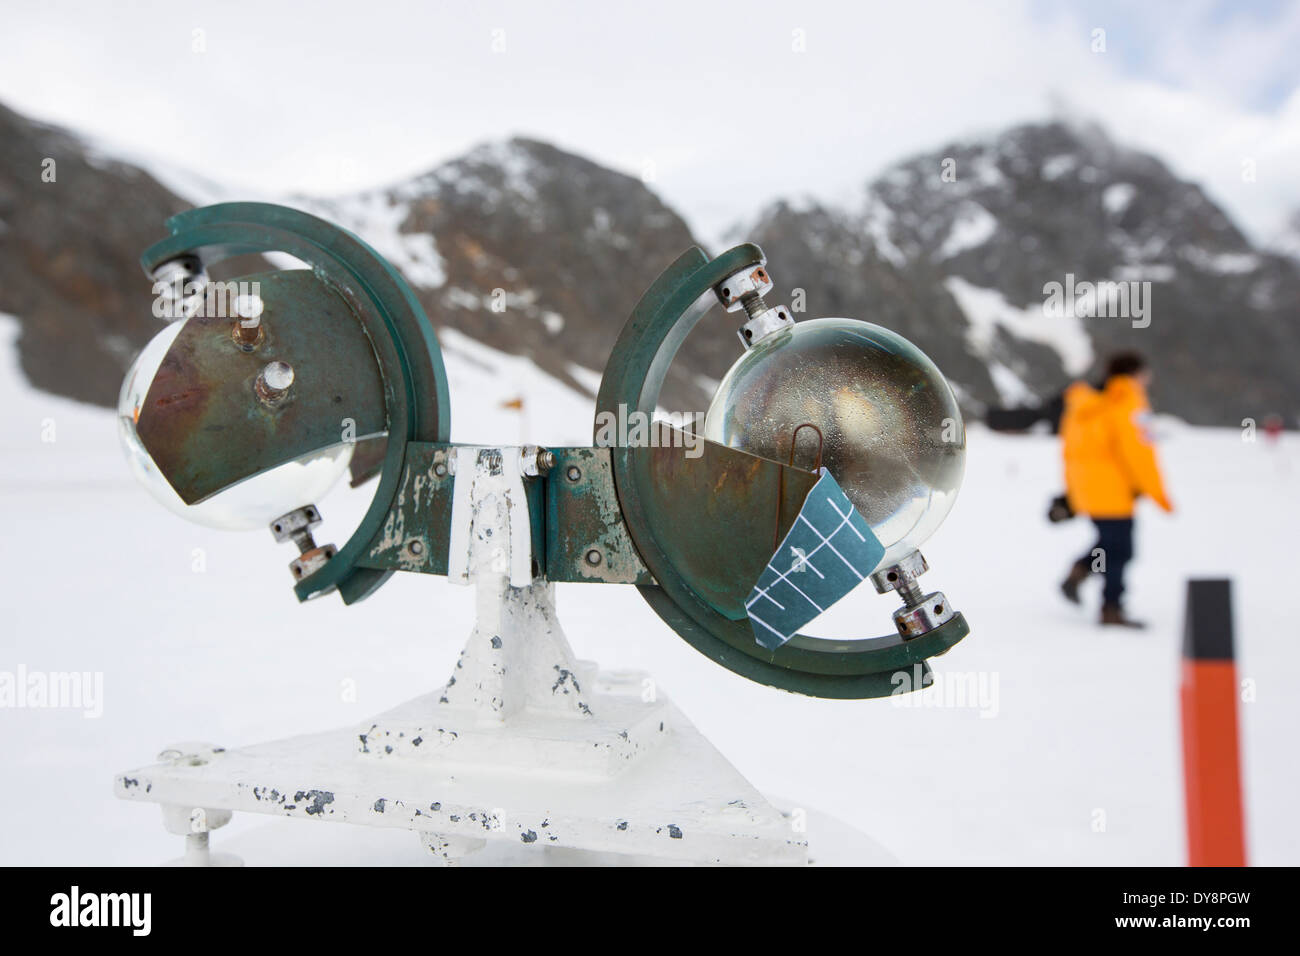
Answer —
(252, 503)
(893, 434)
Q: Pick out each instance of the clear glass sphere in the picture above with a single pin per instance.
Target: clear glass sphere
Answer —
(252, 503)
(893, 434)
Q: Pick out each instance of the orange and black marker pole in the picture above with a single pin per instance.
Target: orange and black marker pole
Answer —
(1216, 832)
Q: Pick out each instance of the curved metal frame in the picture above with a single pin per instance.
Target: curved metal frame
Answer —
(406, 348)
(634, 378)
(418, 410)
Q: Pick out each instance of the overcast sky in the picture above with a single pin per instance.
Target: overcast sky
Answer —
(721, 106)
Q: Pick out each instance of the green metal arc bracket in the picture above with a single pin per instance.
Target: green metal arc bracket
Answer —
(403, 338)
(634, 377)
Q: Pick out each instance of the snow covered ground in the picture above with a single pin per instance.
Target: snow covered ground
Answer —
(1069, 756)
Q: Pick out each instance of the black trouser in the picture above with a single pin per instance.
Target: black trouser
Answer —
(1115, 543)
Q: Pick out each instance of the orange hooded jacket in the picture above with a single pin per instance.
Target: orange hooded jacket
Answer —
(1109, 457)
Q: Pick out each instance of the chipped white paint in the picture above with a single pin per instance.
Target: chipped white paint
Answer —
(523, 745)
(490, 530)
(518, 698)
(393, 538)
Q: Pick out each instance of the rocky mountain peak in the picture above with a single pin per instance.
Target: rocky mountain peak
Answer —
(538, 252)
(74, 222)
(958, 247)
(528, 248)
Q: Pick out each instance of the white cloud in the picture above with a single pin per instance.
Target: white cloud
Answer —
(709, 101)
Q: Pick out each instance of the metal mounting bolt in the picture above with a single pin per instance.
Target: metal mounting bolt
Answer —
(248, 333)
(745, 290)
(749, 285)
(296, 526)
(309, 562)
(594, 557)
(273, 382)
(754, 305)
(763, 322)
(920, 612)
(534, 461)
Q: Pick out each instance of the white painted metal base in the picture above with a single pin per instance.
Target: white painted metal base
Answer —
(523, 745)
(273, 842)
(682, 802)
(585, 764)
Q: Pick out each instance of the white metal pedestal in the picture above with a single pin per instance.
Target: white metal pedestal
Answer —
(586, 764)
(523, 744)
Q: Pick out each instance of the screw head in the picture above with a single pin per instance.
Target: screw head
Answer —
(573, 473)
(248, 308)
(247, 332)
(273, 381)
(594, 557)
(278, 375)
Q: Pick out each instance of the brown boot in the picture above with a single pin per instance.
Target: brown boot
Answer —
(1114, 614)
(1078, 574)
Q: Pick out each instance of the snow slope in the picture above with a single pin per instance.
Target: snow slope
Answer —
(1071, 758)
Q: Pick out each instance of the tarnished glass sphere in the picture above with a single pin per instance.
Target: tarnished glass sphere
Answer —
(252, 503)
(893, 434)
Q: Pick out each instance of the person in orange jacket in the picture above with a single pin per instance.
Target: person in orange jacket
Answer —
(1110, 462)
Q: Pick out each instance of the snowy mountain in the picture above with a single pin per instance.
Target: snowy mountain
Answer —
(1287, 241)
(530, 250)
(73, 223)
(958, 248)
(542, 254)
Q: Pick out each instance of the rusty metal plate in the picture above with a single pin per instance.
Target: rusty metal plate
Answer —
(586, 538)
(715, 516)
(202, 421)
(416, 533)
